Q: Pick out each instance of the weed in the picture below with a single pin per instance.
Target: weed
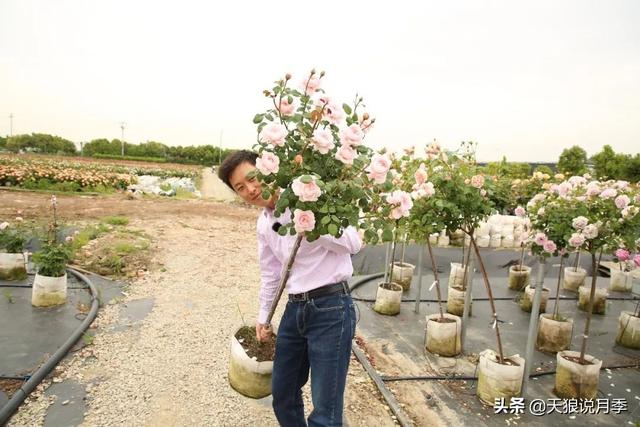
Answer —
(116, 220)
(7, 294)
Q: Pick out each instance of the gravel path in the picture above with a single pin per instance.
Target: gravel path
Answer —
(172, 369)
(214, 188)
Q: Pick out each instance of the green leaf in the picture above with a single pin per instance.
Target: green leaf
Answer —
(282, 230)
(346, 109)
(333, 229)
(266, 194)
(306, 179)
(325, 220)
(290, 99)
(387, 235)
(258, 118)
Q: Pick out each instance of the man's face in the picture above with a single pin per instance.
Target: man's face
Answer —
(248, 187)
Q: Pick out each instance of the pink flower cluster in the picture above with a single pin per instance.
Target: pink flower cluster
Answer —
(273, 133)
(426, 189)
(548, 246)
(520, 212)
(402, 204)
(477, 181)
(378, 168)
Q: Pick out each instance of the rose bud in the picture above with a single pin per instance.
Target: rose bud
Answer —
(288, 76)
(298, 159)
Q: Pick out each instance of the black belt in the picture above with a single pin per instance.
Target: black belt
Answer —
(333, 288)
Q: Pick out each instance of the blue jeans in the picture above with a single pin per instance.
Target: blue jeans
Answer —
(316, 335)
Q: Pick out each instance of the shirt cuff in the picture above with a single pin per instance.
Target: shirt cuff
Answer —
(262, 316)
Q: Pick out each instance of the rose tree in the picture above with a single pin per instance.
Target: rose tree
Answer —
(312, 157)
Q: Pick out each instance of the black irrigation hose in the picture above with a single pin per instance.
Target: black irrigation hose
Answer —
(12, 377)
(447, 378)
(366, 279)
(21, 394)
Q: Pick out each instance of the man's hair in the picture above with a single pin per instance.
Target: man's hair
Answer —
(232, 161)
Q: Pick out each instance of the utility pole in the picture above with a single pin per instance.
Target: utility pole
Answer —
(122, 138)
(10, 124)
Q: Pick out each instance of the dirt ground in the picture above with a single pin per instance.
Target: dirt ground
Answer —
(172, 370)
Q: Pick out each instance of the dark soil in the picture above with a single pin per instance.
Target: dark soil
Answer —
(10, 386)
(391, 286)
(443, 320)
(576, 359)
(262, 351)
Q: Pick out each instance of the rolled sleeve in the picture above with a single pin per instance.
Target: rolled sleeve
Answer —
(270, 270)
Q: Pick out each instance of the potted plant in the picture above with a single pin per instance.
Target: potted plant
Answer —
(549, 213)
(50, 282)
(442, 335)
(629, 322)
(312, 157)
(621, 279)
(12, 259)
(602, 214)
(520, 274)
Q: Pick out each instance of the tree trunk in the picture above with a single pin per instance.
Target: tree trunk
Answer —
(434, 267)
(594, 277)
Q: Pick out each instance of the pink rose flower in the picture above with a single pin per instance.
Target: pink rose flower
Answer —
(346, 154)
(334, 113)
(622, 201)
(309, 192)
(590, 231)
(520, 212)
(4, 225)
(287, 109)
(593, 189)
(540, 239)
(420, 175)
(579, 222)
(19, 219)
(432, 150)
(303, 221)
(576, 240)
(268, 163)
(564, 188)
(541, 211)
(622, 185)
(273, 133)
(311, 87)
(549, 246)
(403, 204)
(378, 168)
(322, 141)
(622, 254)
(608, 193)
(352, 135)
(423, 190)
(477, 181)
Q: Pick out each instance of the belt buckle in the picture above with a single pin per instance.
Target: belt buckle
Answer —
(300, 297)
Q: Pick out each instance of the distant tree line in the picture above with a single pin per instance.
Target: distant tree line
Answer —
(606, 164)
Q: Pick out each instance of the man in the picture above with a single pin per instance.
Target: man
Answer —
(318, 323)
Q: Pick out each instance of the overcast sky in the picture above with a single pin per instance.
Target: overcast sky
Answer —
(523, 80)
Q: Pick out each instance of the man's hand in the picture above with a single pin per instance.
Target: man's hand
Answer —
(263, 332)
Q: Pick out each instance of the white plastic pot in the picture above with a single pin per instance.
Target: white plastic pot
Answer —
(495, 241)
(527, 299)
(443, 338)
(456, 276)
(620, 281)
(628, 330)
(573, 279)
(554, 335)
(248, 376)
(49, 291)
(576, 381)
(402, 274)
(388, 299)
(12, 266)
(599, 302)
(455, 302)
(496, 380)
(483, 241)
(508, 241)
(518, 279)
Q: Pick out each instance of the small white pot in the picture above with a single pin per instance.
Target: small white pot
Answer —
(628, 330)
(526, 302)
(599, 302)
(554, 335)
(576, 381)
(12, 266)
(403, 274)
(573, 279)
(495, 241)
(443, 338)
(483, 241)
(456, 276)
(49, 291)
(248, 376)
(388, 299)
(455, 302)
(519, 279)
(496, 380)
(620, 281)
